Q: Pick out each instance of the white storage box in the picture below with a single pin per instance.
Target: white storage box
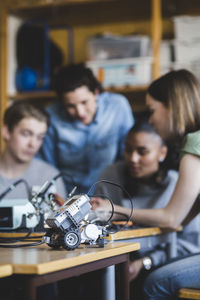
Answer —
(187, 51)
(187, 28)
(193, 67)
(123, 72)
(115, 47)
(165, 68)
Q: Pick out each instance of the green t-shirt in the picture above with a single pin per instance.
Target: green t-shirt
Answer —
(191, 144)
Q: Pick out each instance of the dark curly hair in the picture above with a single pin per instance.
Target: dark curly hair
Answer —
(74, 76)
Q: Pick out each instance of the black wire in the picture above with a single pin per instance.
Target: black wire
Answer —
(42, 194)
(35, 237)
(30, 240)
(71, 177)
(53, 181)
(50, 184)
(124, 190)
(21, 245)
(15, 239)
(111, 202)
(20, 230)
(13, 185)
(20, 238)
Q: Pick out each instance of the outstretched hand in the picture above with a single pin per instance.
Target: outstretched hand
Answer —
(100, 204)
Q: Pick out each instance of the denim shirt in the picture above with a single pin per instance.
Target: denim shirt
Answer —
(82, 151)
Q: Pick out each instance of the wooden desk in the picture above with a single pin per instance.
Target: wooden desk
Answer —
(186, 293)
(40, 265)
(149, 237)
(83, 260)
(5, 270)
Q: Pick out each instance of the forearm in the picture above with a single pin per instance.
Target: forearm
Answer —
(150, 217)
(153, 217)
(163, 217)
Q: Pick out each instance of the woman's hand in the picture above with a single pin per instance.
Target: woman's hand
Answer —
(100, 204)
(105, 205)
(134, 268)
(58, 199)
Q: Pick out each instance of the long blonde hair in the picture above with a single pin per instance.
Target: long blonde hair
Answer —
(179, 91)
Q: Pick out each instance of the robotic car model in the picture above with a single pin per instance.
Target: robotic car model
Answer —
(68, 226)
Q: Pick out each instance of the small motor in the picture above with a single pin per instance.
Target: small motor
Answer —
(93, 234)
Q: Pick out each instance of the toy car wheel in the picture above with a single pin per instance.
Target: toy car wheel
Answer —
(54, 239)
(101, 242)
(71, 240)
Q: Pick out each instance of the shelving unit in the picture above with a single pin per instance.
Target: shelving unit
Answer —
(52, 95)
(150, 17)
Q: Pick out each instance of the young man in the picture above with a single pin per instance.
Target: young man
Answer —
(24, 129)
(87, 127)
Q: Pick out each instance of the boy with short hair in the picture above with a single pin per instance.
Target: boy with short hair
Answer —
(23, 131)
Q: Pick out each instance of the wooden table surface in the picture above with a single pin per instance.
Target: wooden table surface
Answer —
(42, 259)
(139, 232)
(5, 270)
(187, 293)
(122, 234)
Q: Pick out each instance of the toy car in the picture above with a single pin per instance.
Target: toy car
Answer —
(68, 226)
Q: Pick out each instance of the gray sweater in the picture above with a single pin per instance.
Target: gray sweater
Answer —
(36, 175)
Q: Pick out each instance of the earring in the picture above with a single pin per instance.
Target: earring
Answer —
(161, 159)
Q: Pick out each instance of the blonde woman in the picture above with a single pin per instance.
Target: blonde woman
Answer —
(174, 103)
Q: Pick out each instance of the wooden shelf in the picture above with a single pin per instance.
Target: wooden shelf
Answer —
(172, 8)
(52, 95)
(84, 12)
(189, 293)
(49, 3)
(128, 89)
(33, 95)
(40, 7)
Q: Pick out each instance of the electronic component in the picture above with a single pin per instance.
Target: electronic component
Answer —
(27, 213)
(16, 213)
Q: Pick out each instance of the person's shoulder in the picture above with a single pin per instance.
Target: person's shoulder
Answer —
(113, 98)
(172, 174)
(169, 180)
(114, 168)
(54, 110)
(57, 115)
(52, 107)
(193, 137)
(191, 143)
(43, 166)
(113, 103)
